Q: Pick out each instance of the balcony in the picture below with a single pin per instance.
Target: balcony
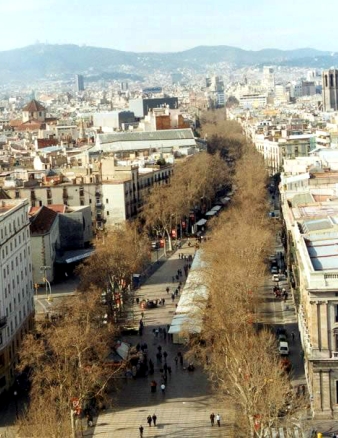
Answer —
(3, 322)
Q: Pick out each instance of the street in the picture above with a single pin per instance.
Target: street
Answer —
(184, 409)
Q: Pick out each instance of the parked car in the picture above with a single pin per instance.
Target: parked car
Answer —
(274, 270)
(283, 348)
(275, 277)
(282, 338)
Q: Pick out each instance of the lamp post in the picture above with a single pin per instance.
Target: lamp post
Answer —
(16, 404)
(43, 270)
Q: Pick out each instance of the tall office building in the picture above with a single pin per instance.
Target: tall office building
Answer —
(79, 83)
(330, 89)
(268, 81)
(16, 280)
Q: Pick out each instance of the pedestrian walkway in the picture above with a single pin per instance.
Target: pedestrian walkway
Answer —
(184, 409)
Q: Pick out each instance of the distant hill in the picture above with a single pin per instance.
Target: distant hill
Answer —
(62, 61)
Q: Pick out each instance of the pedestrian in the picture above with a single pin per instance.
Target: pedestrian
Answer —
(142, 314)
(164, 334)
(167, 289)
(137, 300)
(169, 370)
(165, 355)
(173, 279)
(154, 419)
(163, 301)
(159, 348)
(90, 420)
(149, 420)
(212, 419)
(141, 431)
(292, 336)
(163, 388)
(172, 297)
(176, 292)
(153, 386)
(156, 332)
(218, 419)
(176, 360)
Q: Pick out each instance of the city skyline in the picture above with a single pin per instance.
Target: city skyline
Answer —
(180, 27)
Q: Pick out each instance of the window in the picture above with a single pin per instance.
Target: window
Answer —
(107, 201)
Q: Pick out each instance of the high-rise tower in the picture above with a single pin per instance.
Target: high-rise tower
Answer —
(79, 83)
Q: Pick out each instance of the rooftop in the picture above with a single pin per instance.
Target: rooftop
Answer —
(34, 106)
(42, 221)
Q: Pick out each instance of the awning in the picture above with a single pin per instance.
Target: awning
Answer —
(201, 222)
(211, 213)
(74, 256)
(216, 208)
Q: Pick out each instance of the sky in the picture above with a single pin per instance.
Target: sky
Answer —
(169, 25)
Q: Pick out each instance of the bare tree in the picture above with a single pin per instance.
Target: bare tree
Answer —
(66, 358)
(122, 253)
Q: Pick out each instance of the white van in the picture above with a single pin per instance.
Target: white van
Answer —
(283, 348)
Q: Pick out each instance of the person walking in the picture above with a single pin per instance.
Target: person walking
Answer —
(163, 388)
(212, 419)
(149, 420)
(176, 360)
(154, 419)
(141, 429)
(218, 419)
(167, 289)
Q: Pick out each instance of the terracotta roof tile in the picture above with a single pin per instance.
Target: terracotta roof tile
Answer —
(33, 106)
(42, 221)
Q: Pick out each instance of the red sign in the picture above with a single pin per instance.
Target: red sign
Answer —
(76, 407)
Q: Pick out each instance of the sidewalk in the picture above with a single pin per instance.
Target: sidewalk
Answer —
(184, 409)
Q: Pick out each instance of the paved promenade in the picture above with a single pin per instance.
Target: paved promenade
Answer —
(184, 409)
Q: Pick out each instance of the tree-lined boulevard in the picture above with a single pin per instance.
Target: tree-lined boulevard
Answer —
(238, 370)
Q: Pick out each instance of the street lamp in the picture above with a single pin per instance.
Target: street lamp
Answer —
(16, 404)
(43, 270)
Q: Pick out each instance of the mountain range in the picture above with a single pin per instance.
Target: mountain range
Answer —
(41, 61)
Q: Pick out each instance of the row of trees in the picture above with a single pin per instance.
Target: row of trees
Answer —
(243, 361)
(196, 180)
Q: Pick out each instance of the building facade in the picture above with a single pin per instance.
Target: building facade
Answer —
(330, 89)
(16, 292)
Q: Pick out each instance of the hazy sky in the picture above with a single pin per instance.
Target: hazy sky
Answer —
(169, 25)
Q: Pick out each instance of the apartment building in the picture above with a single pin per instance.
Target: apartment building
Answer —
(310, 209)
(16, 292)
(114, 192)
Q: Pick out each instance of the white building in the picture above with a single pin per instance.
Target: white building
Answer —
(16, 292)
